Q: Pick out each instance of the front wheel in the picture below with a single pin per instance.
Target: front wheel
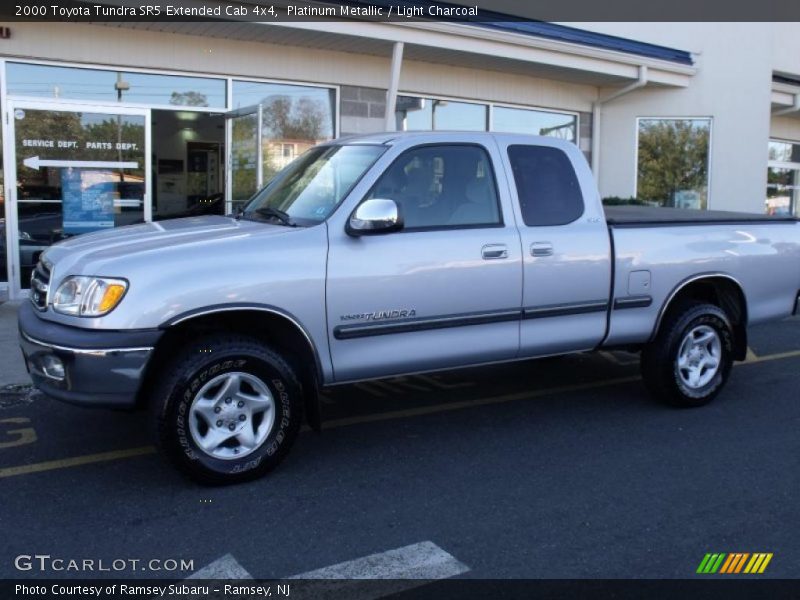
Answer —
(690, 359)
(228, 409)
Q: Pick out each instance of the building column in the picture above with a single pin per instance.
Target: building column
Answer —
(390, 123)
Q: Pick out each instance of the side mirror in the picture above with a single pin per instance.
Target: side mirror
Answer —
(375, 216)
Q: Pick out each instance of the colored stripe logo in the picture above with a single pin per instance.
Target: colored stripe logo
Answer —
(734, 562)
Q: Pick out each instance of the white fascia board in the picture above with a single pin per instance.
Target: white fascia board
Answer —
(474, 40)
(780, 98)
(785, 88)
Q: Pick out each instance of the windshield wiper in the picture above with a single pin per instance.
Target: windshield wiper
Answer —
(269, 211)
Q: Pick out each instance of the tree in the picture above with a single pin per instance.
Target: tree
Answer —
(244, 156)
(190, 98)
(673, 157)
(303, 119)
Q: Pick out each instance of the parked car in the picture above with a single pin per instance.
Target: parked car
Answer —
(391, 254)
(36, 232)
(213, 204)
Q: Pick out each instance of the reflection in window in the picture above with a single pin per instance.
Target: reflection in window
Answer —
(672, 168)
(442, 186)
(784, 152)
(3, 245)
(293, 119)
(58, 199)
(535, 122)
(115, 86)
(430, 114)
(783, 179)
(313, 186)
(244, 157)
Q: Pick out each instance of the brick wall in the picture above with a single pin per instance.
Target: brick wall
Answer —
(362, 110)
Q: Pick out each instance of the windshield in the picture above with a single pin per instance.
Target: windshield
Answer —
(308, 190)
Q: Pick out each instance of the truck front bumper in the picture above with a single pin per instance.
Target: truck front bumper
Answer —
(90, 367)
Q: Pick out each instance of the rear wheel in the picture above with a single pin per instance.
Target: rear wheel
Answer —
(228, 409)
(690, 359)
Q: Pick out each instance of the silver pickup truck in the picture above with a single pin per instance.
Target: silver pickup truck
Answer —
(391, 254)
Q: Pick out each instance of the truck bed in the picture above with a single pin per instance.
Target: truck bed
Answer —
(649, 216)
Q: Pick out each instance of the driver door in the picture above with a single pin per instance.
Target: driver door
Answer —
(442, 292)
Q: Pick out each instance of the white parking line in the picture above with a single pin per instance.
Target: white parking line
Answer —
(226, 567)
(389, 572)
(424, 560)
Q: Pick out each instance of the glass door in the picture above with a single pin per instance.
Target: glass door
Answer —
(245, 156)
(77, 169)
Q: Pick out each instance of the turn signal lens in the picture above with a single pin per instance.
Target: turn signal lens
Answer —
(111, 297)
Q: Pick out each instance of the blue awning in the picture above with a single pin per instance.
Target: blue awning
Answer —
(588, 38)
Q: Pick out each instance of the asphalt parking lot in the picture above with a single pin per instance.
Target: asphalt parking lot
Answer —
(560, 468)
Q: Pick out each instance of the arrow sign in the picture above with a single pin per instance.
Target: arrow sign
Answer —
(34, 162)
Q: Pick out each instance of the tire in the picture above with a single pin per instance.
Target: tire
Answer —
(227, 409)
(678, 366)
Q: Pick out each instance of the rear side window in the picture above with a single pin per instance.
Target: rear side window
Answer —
(547, 187)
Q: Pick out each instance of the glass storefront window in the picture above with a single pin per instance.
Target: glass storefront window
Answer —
(782, 191)
(784, 152)
(672, 164)
(3, 241)
(50, 81)
(535, 122)
(431, 114)
(783, 179)
(76, 172)
(294, 118)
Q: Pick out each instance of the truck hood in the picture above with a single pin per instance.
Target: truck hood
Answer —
(91, 253)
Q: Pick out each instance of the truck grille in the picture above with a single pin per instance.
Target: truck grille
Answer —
(40, 285)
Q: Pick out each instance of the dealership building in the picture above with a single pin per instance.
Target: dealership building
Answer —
(123, 122)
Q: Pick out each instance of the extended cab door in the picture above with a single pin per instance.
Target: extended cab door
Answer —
(446, 289)
(565, 245)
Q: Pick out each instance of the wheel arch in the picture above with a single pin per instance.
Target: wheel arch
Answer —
(722, 290)
(269, 324)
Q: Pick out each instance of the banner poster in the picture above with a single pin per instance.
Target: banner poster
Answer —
(88, 201)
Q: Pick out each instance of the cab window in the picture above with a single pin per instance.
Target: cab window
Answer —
(444, 186)
(547, 186)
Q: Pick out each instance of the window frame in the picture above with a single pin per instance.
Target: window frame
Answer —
(794, 207)
(513, 179)
(709, 173)
(499, 225)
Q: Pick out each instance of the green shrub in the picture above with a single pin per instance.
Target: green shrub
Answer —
(617, 201)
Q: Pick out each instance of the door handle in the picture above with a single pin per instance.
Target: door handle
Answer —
(541, 249)
(494, 251)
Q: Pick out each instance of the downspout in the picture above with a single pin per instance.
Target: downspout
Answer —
(792, 109)
(389, 120)
(640, 82)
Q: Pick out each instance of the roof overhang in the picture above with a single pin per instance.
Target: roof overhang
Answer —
(460, 44)
(450, 43)
(785, 99)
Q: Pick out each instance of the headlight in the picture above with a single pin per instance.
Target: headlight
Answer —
(88, 296)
